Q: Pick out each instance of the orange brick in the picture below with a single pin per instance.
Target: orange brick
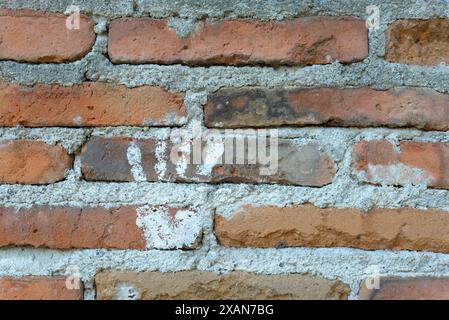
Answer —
(89, 104)
(309, 226)
(311, 40)
(33, 36)
(424, 42)
(416, 163)
(32, 162)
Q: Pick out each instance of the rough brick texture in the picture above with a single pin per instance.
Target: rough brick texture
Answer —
(407, 289)
(311, 40)
(309, 226)
(33, 36)
(208, 285)
(424, 42)
(234, 149)
(120, 228)
(362, 107)
(108, 159)
(37, 288)
(32, 162)
(411, 162)
(89, 104)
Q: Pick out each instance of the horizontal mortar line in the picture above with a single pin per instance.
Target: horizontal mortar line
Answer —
(292, 255)
(256, 65)
(164, 10)
(283, 84)
(77, 198)
(244, 70)
(163, 132)
(369, 62)
(312, 251)
(80, 184)
(14, 63)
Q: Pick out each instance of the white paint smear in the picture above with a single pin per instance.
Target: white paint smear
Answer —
(126, 291)
(134, 156)
(165, 231)
(184, 159)
(212, 155)
(398, 174)
(161, 165)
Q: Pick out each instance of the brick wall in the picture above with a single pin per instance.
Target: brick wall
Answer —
(93, 109)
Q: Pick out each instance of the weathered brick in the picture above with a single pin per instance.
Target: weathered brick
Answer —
(208, 285)
(33, 36)
(310, 40)
(89, 104)
(109, 159)
(126, 227)
(411, 162)
(302, 165)
(309, 226)
(38, 288)
(32, 162)
(105, 159)
(424, 42)
(259, 107)
(406, 289)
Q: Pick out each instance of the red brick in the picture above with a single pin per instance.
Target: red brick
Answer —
(127, 227)
(309, 226)
(424, 42)
(33, 36)
(66, 228)
(89, 104)
(310, 40)
(32, 162)
(105, 159)
(414, 162)
(407, 289)
(37, 288)
(363, 107)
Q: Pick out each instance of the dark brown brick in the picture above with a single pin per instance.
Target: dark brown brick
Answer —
(105, 159)
(362, 107)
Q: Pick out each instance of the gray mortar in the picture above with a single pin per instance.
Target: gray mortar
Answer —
(346, 264)
(371, 72)
(183, 27)
(70, 138)
(107, 8)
